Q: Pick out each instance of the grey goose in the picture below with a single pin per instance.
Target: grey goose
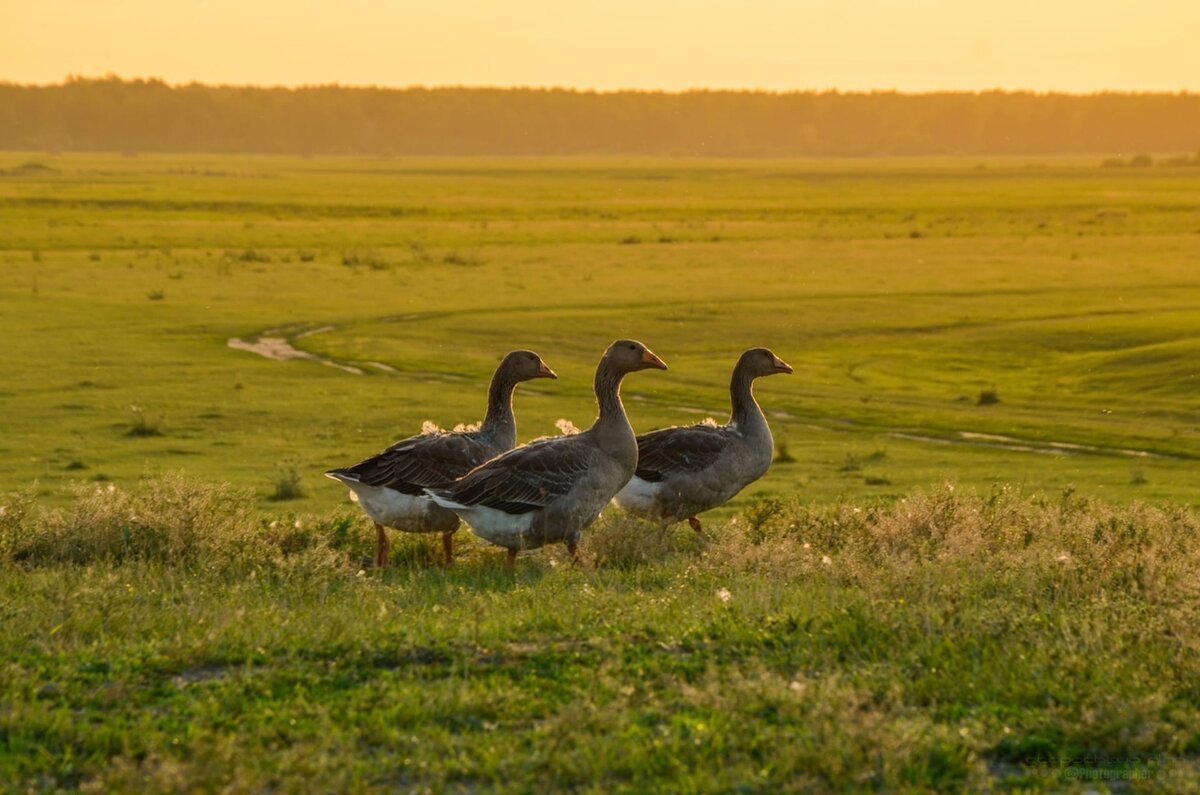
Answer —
(687, 470)
(390, 486)
(551, 489)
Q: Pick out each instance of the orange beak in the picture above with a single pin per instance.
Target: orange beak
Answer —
(650, 360)
(545, 372)
(781, 366)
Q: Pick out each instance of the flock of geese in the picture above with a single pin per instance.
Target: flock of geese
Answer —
(551, 489)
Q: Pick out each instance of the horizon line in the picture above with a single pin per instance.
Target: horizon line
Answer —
(73, 78)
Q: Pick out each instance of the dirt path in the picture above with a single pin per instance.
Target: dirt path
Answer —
(280, 349)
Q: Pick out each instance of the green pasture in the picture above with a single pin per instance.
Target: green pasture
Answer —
(163, 640)
(972, 569)
(900, 290)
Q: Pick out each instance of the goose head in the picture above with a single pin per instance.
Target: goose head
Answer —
(524, 366)
(627, 356)
(758, 362)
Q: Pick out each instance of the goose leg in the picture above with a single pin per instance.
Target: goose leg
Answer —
(448, 548)
(695, 523)
(510, 560)
(573, 551)
(381, 546)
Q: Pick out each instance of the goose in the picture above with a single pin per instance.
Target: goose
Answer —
(551, 489)
(389, 486)
(686, 470)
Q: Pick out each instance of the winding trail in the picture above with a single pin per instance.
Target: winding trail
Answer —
(1016, 445)
(274, 344)
(281, 349)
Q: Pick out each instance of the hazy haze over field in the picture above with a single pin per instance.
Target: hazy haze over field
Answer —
(1070, 45)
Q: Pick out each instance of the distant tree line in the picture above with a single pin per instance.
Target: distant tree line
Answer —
(111, 114)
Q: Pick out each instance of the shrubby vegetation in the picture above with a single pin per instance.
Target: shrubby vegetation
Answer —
(169, 638)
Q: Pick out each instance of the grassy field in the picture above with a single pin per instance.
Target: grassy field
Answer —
(900, 291)
(981, 555)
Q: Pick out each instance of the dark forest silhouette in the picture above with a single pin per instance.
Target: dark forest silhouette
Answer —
(111, 114)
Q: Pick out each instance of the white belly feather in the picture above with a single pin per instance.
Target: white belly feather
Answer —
(395, 509)
(640, 497)
(491, 524)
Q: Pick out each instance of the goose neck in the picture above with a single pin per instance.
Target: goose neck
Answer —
(608, 393)
(499, 423)
(745, 413)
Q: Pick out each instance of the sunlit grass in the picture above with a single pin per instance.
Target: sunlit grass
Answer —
(939, 643)
(1065, 290)
(849, 622)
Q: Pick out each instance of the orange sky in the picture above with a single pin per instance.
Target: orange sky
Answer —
(910, 45)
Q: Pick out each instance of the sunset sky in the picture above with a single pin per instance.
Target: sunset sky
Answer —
(910, 45)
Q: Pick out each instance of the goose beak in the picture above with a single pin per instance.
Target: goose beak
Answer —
(545, 372)
(781, 366)
(650, 360)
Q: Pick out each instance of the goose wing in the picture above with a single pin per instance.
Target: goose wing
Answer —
(676, 450)
(419, 462)
(524, 479)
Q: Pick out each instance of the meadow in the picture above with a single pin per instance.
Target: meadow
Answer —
(973, 562)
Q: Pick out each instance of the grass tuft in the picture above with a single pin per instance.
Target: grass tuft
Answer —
(253, 255)
(142, 426)
(171, 521)
(372, 260)
(621, 542)
(462, 260)
(988, 397)
(287, 485)
(782, 454)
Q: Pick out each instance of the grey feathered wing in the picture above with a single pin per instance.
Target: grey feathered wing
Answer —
(419, 462)
(674, 450)
(525, 479)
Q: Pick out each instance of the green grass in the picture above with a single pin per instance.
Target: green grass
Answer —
(1065, 288)
(165, 635)
(947, 642)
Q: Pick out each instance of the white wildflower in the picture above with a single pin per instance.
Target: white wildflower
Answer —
(797, 686)
(296, 524)
(826, 560)
(724, 595)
